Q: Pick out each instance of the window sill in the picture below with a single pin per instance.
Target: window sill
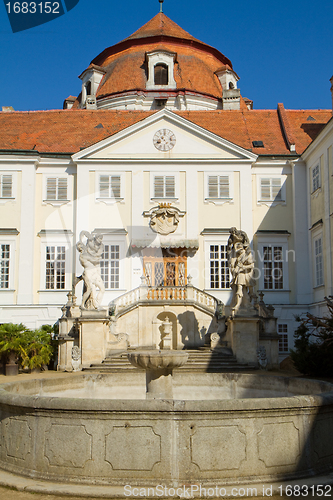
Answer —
(52, 290)
(5, 200)
(280, 290)
(165, 199)
(271, 203)
(7, 290)
(219, 201)
(55, 203)
(319, 286)
(109, 201)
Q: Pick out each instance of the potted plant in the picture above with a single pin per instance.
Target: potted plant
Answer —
(11, 339)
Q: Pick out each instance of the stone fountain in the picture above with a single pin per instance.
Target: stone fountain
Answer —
(158, 366)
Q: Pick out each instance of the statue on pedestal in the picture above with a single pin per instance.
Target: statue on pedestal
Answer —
(241, 267)
(90, 257)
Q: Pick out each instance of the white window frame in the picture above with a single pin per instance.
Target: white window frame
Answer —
(315, 177)
(57, 175)
(164, 174)
(273, 241)
(216, 240)
(57, 241)
(161, 57)
(282, 330)
(316, 281)
(14, 186)
(219, 199)
(109, 239)
(109, 200)
(272, 202)
(11, 241)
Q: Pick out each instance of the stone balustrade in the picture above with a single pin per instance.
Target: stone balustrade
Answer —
(174, 294)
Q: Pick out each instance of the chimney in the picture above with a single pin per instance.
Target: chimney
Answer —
(331, 80)
(9, 109)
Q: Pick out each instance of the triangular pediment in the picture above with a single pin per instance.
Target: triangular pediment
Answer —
(189, 141)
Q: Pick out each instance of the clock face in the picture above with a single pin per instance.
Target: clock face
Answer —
(164, 139)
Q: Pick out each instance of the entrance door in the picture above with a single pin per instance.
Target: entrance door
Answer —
(166, 270)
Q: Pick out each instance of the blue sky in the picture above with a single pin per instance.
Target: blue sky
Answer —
(281, 50)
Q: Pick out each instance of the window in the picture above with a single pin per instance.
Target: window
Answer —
(218, 186)
(315, 178)
(6, 186)
(110, 266)
(161, 74)
(4, 265)
(283, 338)
(164, 186)
(218, 266)
(55, 268)
(109, 186)
(270, 189)
(273, 267)
(56, 188)
(318, 251)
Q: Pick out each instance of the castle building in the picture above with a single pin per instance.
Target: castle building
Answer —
(162, 155)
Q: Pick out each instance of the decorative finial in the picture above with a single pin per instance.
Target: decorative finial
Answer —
(161, 5)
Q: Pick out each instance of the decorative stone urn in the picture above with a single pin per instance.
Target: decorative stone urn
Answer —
(158, 366)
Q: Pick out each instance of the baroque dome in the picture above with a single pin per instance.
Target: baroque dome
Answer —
(160, 65)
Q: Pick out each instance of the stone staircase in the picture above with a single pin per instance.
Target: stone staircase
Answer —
(200, 360)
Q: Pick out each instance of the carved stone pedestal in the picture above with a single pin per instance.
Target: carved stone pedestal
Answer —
(93, 336)
(244, 334)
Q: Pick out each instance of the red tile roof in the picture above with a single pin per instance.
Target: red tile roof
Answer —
(65, 131)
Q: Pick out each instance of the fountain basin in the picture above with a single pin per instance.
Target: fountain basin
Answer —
(248, 429)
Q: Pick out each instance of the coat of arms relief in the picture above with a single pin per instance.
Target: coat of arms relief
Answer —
(164, 219)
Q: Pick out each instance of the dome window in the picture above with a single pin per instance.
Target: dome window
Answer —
(160, 70)
(161, 74)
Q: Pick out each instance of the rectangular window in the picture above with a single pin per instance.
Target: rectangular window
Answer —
(283, 338)
(6, 186)
(219, 270)
(315, 178)
(319, 272)
(110, 266)
(218, 186)
(164, 186)
(4, 265)
(55, 268)
(270, 189)
(56, 188)
(109, 186)
(273, 268)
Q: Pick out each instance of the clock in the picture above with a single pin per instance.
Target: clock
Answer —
(164, 139)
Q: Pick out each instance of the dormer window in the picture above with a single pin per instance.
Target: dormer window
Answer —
(91, 78)
(160, 70)
(161, 74)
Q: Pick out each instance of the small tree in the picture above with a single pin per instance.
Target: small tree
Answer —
(11, 336)
(313, 354)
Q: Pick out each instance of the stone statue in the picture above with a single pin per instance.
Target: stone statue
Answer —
(241, 267)
(90, 257)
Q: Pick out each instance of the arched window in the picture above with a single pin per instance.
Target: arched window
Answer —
(161, 74)
(88, 88)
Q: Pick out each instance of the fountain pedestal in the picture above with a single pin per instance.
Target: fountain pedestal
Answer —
(158, 366)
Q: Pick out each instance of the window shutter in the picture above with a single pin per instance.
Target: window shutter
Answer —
(115, 186)
(51, 188)
(276, 189)
(62, 188)
(104, 186)
(6, 186)
(158, 186)
(169, 186)
(265, 189)
(224, 186)
(213, 186)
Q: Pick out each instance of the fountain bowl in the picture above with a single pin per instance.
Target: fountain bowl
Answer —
(219, 430)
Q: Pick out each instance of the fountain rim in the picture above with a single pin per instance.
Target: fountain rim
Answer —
(41, 402)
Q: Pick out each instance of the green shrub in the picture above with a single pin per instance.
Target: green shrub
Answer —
(33, 348)
(313, 351)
